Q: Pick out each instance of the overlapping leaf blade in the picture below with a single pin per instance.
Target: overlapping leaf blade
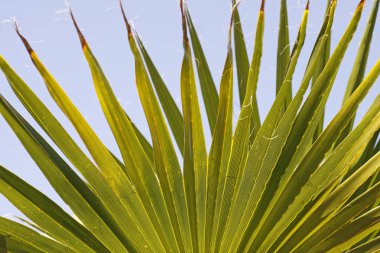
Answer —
(240, 140)
(113, 171)
(20, 233)
(370, 246)
(360, 64)
(221, 144)
(350, 233)
(64, 180)
(325, 178)
(166, 162)
(139, 167)
(52, 127)
(255, 157)
(47, 214)
(195, 156)
(321, 64)
(243, 68)
(277, 143)
(285, 195)
(171, 110)
(208, 87)
(331, 203)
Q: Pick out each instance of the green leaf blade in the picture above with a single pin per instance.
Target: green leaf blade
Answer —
(208, 87)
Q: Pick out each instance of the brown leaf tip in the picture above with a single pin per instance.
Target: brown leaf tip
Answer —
(125, 18)
(262, 5)
(184, 26)
(307, 5)
(80, 34)
(361, 3)
(23, 39)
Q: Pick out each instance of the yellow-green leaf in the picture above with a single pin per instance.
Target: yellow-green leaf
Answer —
(195, 156)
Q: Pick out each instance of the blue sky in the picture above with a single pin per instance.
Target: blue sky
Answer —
(51, 33)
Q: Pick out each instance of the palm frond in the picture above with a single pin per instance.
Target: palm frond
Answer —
(283, 184)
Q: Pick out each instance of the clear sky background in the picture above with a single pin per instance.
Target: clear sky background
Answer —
(52, 36)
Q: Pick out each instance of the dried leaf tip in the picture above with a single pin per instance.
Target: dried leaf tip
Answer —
(234, 10)
(262, 5)
(184, 26)
(23, 39)
(332, 3)
(80, 34)
(361, 3)
(129, 28)
(307, 5)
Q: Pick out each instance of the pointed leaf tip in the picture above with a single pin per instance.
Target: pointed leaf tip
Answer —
(184, 27)
(233, 12)
(234, 9)
(262, 5)
(125, 18)
(361, 3)
(23, 39)
(80, 34)
(307, 5)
